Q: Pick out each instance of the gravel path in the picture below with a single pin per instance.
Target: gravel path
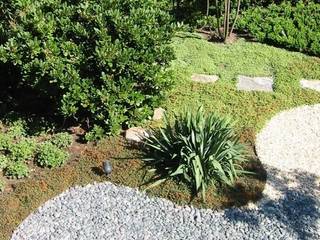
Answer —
(289, 210)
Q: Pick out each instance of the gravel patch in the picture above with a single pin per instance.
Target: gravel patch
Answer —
(289, 209)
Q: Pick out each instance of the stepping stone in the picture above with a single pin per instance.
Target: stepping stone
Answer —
(263, 84)
(310, 84)
(158, 114)
(203, 78)
(136, 134)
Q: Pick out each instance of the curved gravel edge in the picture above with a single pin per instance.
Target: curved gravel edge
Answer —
(289, 210)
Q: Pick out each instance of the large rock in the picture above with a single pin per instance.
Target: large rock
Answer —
(158, 114)
(136, 134)
(264, 84)
(310, 84)
(203, 78)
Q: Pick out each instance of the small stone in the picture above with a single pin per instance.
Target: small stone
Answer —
(310, 84)
(203, 78)
(136, 134)
(158, 114)
(264, 84)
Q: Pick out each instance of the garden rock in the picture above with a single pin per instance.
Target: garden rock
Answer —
(136, 134)
(246, 83)
(158, 114)
(310, 84)
(203, 78)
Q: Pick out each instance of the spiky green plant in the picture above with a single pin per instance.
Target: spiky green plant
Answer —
(197, 148)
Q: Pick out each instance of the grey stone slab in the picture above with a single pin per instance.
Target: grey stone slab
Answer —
(264, 84)
(136, 134)
(203, 78)
(310, 84)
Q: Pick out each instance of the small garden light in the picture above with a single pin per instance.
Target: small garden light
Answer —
(107, 168)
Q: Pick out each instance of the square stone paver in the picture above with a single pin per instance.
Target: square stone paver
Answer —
(263, 84)
(310, 84)
(203, 78)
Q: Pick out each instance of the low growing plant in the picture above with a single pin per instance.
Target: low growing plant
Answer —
(50, 155)
(197, 148)
(22, 150)
(62, 140)
(3, 161)
(17, 170)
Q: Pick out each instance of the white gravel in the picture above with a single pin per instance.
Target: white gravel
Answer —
(291, 140)
(290, 209)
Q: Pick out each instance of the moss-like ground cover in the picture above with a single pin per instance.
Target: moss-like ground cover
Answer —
(250, 110)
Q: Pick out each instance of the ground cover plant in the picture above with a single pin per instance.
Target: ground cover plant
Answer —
(19, 150)
(101, 62)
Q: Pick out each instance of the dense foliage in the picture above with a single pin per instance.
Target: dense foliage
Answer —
(295, 27)
(51, 156)
(103, 61)
(198, 148)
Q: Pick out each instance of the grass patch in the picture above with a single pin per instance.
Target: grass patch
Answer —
(249, 109)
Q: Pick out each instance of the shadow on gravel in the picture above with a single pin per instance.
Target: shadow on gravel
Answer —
(298, 206)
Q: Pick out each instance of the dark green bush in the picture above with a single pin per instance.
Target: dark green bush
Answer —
(197, 148)
(101, 60)
(295, 27)
(51, 156)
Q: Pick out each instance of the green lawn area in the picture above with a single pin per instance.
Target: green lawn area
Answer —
(250, 110)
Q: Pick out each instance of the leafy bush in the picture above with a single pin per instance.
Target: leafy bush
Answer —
(99, 60)
(22, 150)
(295, 27)
(3, 161)
(199, 148)
(5, 141)
(50, 155)
(17, 170)
(62, 140)
(95, 134)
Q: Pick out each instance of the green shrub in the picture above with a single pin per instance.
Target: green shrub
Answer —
(295, 27)
(22, 150)
(198, 148)
(62, 140)
(5, 141)
(3, 161)
(50, 155)
(100, 60)
(17, 170)
(97, 133)
(17, 129)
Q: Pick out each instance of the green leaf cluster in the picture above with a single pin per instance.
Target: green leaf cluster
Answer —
(50, 155)
(292, 26)
(198, 148)
(101, 60)
(62, 140)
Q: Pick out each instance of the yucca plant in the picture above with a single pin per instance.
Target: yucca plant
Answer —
(197, 148)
